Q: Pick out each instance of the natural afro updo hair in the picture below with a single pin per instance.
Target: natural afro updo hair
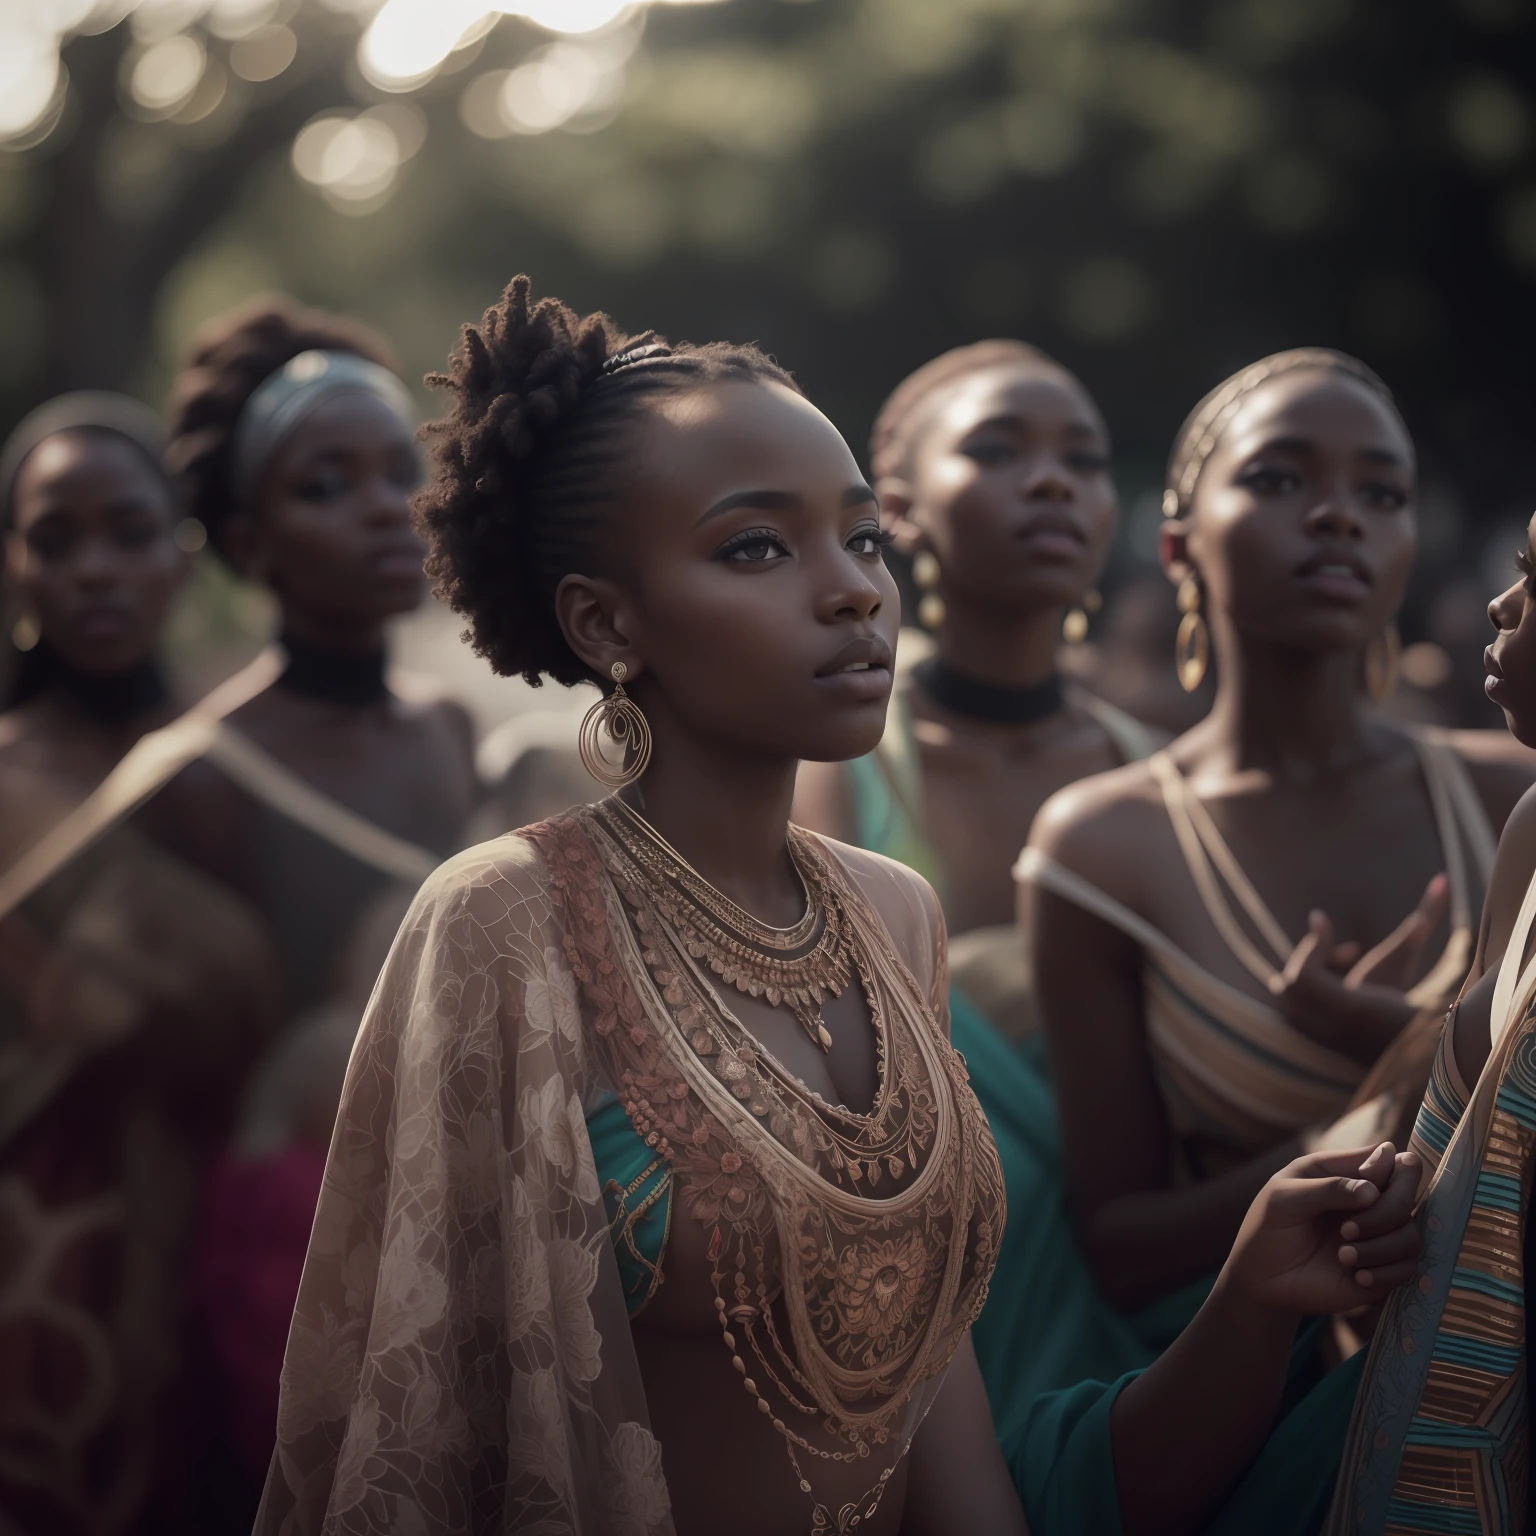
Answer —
(530, 459)
(229, 358)
(891, 440)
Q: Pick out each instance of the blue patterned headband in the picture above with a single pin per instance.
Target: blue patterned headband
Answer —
(300, 387)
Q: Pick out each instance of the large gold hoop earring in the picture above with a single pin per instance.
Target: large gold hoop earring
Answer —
(1382, 657)
(1192, 652)
(620, 717)
(925, 577)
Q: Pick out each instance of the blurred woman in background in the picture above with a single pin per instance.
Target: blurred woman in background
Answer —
(292, 440)
(992, 464)
(134, 990)
(1222, 936)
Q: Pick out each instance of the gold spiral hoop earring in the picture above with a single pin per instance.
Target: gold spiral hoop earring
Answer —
(1382, 658)
(620, 718)
(1192, 651)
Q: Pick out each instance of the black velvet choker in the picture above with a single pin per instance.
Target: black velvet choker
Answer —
(111, 698)
(988, 701)
(338, 677)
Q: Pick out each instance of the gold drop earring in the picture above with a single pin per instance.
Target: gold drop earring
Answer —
(1074, 628)
(925, 577)
(1382, 656)
(1192, 650)
(25, 633)
(620, 718)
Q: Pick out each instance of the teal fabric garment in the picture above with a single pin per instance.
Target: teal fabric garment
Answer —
(637, 1190)
(1063, 1463)
(1045, 1324)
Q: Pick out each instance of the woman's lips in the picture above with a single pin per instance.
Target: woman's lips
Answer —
(858, 683)
(398, 567)
(103, 623)
(1052, 544)
(1339, 582)
(1495, 678)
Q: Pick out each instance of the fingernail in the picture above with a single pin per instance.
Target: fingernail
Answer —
(1349, 1231)
(1365, 1277)
(1348, 1256)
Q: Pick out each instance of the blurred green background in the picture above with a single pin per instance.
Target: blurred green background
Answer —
(1156, 192)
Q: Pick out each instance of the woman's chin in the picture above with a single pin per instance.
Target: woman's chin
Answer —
(859, 738)
(1522, 725)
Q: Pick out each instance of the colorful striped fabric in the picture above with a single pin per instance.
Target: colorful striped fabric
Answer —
(1440, 1440)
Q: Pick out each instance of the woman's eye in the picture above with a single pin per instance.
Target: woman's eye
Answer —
(138, 535)
(50, 543)
(1272, 482)
(755, 549)
(321, 487)
(1387, 497)
(1087, 463)
(869, 541)
(986, 452)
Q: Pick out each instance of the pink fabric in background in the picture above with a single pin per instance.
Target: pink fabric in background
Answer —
(255, 1232)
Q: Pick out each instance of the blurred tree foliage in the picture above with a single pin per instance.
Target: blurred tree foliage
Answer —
(1155, 190)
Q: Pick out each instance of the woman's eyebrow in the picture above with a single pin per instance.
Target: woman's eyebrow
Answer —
(763, 500)
(780, 501)
(1304, 445)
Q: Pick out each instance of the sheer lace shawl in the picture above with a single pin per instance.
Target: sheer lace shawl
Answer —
(460, 1357)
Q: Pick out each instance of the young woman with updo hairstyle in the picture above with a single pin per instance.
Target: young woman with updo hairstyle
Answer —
(292, 443)
(134, 991)
(658, 1200)
(1225, 937)
(992, 464)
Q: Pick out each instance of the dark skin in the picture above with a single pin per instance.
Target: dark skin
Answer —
(1302, 535)
(1006, 483)
(330, 534)
(740, 582)
(1510, 663)
(92, 555)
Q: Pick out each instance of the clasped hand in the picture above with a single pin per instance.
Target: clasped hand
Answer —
(1330, 1232)
(1355, 1003)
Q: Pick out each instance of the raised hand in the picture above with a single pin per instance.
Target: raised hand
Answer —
(1329, 1232)
(1351, 1003)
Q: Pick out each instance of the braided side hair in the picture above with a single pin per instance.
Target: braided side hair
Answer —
(531, 460)
(1205, 424)
(893, 437)
(230, 357)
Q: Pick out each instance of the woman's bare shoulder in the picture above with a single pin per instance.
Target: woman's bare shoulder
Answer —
(1500, 768)
(1103, 826)
(1513, 868)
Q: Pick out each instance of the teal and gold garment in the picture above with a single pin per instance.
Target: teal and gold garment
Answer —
(1045, 1324)
(637, 1191)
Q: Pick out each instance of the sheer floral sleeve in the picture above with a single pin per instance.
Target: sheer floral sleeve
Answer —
(460, 1358)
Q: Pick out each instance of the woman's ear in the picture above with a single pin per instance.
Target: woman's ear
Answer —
(592, 617)
(1173, 550)
(896, 515)
(15, 559)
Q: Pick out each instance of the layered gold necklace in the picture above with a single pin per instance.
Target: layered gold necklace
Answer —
(793, 966)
